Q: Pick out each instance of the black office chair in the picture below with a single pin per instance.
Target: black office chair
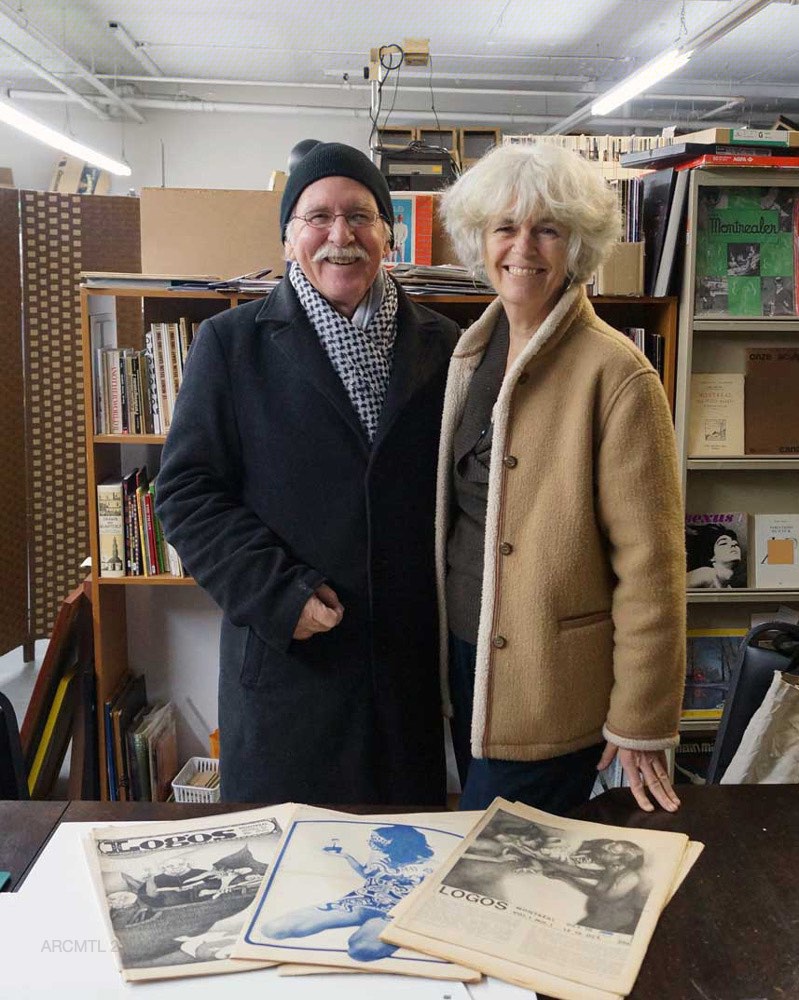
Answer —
(766, 648)
(13, 784)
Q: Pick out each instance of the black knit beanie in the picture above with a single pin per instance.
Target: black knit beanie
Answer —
(334, 159)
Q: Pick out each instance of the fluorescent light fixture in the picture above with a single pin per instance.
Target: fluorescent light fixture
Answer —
(51, 137)
(649, 74)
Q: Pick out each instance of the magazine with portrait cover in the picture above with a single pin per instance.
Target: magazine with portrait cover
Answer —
(174, 894)
(333, 883)
(557, 905)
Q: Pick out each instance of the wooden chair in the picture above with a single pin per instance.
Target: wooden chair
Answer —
(766, 648)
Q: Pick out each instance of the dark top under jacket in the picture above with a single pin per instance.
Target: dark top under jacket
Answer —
(471, 461)
(268, 487)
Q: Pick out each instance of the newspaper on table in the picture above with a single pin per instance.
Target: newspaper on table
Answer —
(333, 881)
(558, 905)
(174, 895)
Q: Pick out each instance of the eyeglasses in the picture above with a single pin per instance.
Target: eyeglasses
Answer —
(359, 218)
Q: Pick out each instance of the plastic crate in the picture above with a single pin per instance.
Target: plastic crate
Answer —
(184, 792)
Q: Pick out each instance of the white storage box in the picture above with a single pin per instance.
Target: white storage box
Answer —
(186, 792)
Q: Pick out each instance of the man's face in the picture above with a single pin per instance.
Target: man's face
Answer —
(340, 262)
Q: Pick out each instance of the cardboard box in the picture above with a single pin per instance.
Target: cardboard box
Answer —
(73, 176)
(207, 231)
(623, 271)
(772, 401)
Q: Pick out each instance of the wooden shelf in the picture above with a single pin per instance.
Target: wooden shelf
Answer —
(774, 325)
(129, 438)
(766, 463)
(162, 580)
(744, 595)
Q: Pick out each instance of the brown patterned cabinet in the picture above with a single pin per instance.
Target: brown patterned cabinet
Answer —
(131, 310)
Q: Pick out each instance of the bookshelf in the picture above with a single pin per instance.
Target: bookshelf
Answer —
(133, 310)
(714, 337)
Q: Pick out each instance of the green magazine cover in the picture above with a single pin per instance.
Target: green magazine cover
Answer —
(745, 248)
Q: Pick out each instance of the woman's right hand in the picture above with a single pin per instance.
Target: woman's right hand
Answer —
(322, 612)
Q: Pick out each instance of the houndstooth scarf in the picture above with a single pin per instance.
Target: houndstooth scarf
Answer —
(361, 358)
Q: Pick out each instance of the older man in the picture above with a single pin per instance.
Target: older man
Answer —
(297, 484)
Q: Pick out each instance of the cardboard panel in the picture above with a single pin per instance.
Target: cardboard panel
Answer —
(203, 231)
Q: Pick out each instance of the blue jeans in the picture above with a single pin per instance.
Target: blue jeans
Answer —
(557, 785)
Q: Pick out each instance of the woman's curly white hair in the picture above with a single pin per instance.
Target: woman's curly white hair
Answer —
(539, 181)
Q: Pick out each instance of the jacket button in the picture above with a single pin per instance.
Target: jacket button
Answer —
(510, 461)
(499, 641)
(523, 378)
(506, 548)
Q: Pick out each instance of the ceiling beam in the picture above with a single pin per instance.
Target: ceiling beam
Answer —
(10, 12)
(45, 74)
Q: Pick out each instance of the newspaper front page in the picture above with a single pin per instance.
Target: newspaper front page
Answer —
(333, 882)
(174, 895)
(558, 905)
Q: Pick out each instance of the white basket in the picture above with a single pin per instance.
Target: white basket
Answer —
(184, 792)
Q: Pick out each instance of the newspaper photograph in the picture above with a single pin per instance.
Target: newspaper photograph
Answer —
(174, 895)
(333, 883)
(529, 896)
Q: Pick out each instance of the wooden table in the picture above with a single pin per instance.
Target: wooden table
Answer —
(730, 933)
(25, 828)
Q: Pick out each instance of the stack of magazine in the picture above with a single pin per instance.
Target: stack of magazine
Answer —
(557, 905)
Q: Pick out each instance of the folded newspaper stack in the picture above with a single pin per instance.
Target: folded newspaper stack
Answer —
(556, 905)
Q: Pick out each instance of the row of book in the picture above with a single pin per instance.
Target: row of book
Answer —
(650, 344)
(732, 549)
(140, 744)
(132, 542)
(135, 391)
(630, 194)
(755, 412)
(746, 237)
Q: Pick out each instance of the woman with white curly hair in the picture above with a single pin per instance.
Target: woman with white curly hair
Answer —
(559, 527)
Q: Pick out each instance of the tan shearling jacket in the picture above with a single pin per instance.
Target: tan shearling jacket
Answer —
(582, 625)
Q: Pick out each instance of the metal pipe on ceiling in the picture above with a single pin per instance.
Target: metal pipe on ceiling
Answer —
(47, 75)
(18, 18)
(211, 107)
(488, 91)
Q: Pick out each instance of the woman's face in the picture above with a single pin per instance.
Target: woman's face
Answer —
(726, 549)
(526, 262)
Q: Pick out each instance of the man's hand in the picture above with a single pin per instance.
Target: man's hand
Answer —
(645, 769)
(322, 612)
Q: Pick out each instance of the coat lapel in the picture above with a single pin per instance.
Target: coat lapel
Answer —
(294, 336)
(417, 357)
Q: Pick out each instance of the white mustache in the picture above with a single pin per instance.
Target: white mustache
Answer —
(339, 255)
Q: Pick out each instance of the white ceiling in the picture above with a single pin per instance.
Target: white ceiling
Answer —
(521, 64)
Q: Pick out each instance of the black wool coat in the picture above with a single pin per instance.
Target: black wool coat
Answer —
(268, 487)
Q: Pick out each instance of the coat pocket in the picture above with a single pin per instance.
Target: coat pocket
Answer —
(580, 621)
(252, 674)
